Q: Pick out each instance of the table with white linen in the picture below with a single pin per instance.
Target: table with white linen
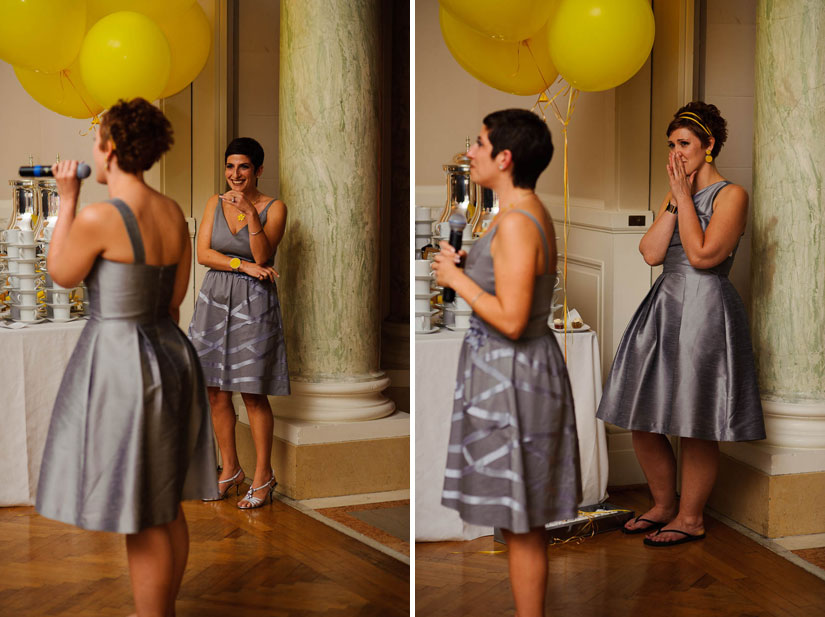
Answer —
(32, 362)
(436, 361)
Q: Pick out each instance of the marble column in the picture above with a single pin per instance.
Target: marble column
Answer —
(788, 260)
(329, 136)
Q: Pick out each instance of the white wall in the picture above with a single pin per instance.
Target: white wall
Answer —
(258, 71)
(728, 83)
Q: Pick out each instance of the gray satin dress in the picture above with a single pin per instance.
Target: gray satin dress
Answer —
(130, 434)
(685, 362)
(237, 328)
(513, 456)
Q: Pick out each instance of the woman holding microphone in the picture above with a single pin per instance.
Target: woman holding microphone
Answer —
(513, 459)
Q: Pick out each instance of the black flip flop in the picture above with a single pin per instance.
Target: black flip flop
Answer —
(654, 526)
(688, 538)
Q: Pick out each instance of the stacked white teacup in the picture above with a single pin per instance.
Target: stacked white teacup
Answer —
(423, 297)
(25, 281)
(423, 227)
(58, 299)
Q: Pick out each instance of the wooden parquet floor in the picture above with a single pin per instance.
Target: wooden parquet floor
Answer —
(615, 575)
(273, 562)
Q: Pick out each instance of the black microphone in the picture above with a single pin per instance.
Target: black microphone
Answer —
(45, 171)
(457, 224)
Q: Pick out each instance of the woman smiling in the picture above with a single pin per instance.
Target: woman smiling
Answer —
(237, 329)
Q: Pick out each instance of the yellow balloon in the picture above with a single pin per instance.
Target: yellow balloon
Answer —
(515, 67)
(44, 35)
(190, 39)
(514, 20)
(62, 92)
(156, 9)
(600, 44)
(125, 55)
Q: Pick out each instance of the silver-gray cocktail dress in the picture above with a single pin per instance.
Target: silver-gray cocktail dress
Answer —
(513, 456)
(130, 434)
(685, 362)
(237, 328)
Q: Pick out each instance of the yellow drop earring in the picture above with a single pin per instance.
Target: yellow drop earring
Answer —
(708, 156)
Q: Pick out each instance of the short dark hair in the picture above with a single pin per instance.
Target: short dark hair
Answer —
(247, 147)
(527, 138)
(139, 131)
(709, 116)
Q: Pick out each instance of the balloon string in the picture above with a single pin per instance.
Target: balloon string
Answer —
(95, 117)
(538, 68)
(571, 105)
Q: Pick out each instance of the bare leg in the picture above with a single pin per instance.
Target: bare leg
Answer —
(179, 537)
(151, 566)
(223, 421)
(700, 463)
(658, 462)
(260, 421)
(527, 557)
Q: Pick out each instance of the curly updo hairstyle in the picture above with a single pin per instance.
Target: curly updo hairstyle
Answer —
(139, 131)
(247, 147)
(710, 117)
(527, 138)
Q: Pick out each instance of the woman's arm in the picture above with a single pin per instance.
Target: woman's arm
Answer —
(209, 257)
(77, 239)
(263, 245)
(182, 273)
(263, 240)
(515, 250)
(711, 247)
(653, 245)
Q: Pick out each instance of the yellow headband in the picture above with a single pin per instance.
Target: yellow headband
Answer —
(687, 115)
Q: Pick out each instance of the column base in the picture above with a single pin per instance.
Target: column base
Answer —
(774, 491)
(324, 459)
(335, 401)
(795, 425)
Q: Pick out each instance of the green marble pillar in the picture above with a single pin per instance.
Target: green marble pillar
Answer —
(788, 259)
(329, 134)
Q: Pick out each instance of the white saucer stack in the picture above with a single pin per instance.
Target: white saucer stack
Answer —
(24, 286)
(423, 227)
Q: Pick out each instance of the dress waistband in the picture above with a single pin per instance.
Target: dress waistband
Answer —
(535, 329)
(683, 268)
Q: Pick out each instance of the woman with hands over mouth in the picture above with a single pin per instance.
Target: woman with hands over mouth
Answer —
(685, 364)
(237, 328)
(513, 458)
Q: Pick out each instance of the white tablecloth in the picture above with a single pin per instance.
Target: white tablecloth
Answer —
(436, 360)
(32, 361)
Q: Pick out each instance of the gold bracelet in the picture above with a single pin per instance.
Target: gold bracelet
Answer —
(478, 295)
(255, 233)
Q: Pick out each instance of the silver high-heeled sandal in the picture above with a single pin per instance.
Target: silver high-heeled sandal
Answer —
(224, 493)
(257, 502)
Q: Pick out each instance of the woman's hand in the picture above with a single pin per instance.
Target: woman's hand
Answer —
(239, 201)
(68, 184)
(259, 272)
(446, 263)
(681, 185)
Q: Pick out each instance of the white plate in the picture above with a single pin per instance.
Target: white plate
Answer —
(571, 329)
(431, 312)
(430, 331)
(455, 329)
(428, 296)
(23, 246)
